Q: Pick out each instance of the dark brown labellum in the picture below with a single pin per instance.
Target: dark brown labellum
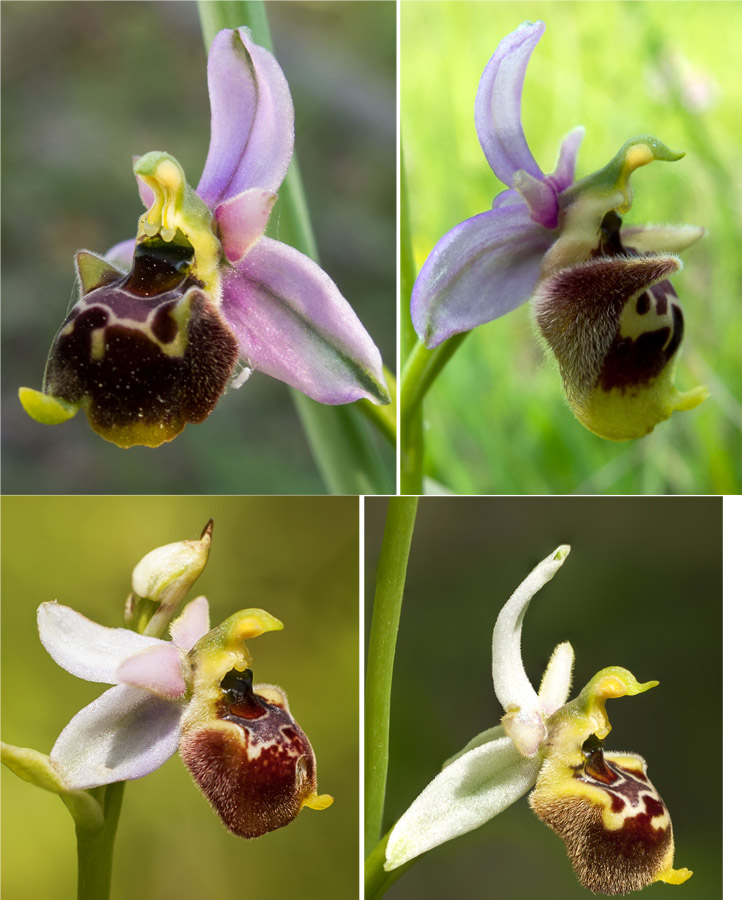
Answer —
(147, 352)
(253, 762)
(613, 322)
(615, 827)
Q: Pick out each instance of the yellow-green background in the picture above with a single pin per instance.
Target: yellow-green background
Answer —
(497, 419)
(641, 589)
(295, 557)
(85, 86)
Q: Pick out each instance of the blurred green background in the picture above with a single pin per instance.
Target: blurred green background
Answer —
(86, 86)
(641, 589)
(620, 69)
(297, 558)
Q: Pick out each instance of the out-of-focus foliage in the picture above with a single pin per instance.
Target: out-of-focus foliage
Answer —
(88, 85)
(642, 588)
(295, 557)
(497, 421)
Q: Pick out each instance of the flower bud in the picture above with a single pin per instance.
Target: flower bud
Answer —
(252, 761)
(162, 578)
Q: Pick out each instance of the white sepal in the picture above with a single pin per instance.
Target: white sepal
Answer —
(124, 734)
(85, 648)
(466, 794)
(491, 734)
(524, 718)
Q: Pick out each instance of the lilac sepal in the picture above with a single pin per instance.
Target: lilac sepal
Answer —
(483, 268)
(253, 148)
(126, 733)
(191, 625)
(85, 648)
(291, 322)
(242, 220)
(156, 669)
(497, 107)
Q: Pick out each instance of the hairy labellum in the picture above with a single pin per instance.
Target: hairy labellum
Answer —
(615, 324)
(252, 761)
(614, 824)
(144, 353)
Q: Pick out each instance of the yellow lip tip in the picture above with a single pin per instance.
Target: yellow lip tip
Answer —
(44, 408)
(674, 876)
(319, 801)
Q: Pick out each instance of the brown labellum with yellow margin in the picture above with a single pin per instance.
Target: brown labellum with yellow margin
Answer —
(614, 824)
(144, 353)
(252, 761)
(615, 325)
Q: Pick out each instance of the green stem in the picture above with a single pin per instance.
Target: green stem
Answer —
(383, 417)
(422, 368)
(377, 881)
(95, 847)
(390, 580)
(344, 454)
(412, 453)
(406, 265)
(218, 14)
(348, 462)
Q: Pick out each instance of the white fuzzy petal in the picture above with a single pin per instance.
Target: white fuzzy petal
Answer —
(557, 679)
(191, 625)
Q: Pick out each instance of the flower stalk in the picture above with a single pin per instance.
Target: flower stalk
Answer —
(95, 846)
(390, 581)
(421, 365)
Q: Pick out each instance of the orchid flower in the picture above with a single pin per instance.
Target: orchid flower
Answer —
(601, 294)
(616, 828)
(192, 693)
(161, 321)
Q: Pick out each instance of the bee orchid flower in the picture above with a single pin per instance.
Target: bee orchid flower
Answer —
(601, 294)
(614, 824)
(161, 320)
(193, 693)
